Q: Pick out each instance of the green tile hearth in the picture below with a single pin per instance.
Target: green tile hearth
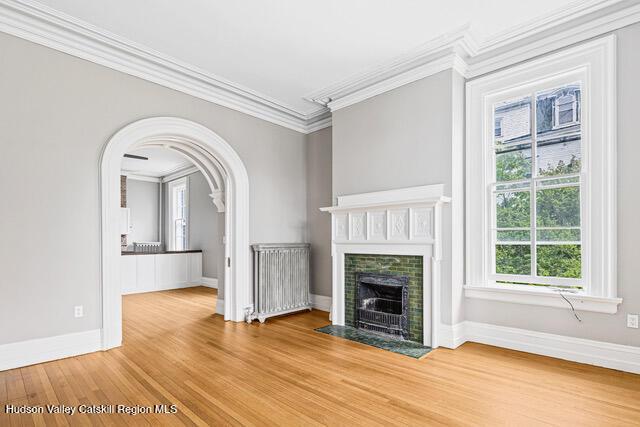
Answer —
(406, 348)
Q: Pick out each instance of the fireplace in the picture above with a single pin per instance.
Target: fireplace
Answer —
(382, 302)
(396, 232)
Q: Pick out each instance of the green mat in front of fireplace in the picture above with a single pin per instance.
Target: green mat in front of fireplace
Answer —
(406, 348)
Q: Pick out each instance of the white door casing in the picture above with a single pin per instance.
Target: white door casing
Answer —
(207, 150)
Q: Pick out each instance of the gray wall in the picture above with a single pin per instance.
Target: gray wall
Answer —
(206, 225)
(142, 200)
(401, 138)
(318, 196)
(60, 114)
(398, 139)
(595, 326)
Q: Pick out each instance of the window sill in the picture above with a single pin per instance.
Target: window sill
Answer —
(544, 297)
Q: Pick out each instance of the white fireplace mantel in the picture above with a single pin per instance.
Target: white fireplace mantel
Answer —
(406, 221)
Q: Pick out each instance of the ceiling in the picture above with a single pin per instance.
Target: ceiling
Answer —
(283, 50)
(162, 162)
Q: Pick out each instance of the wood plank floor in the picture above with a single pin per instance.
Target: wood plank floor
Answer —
(283, 373)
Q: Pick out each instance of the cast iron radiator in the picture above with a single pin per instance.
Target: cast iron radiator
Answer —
(280, 279)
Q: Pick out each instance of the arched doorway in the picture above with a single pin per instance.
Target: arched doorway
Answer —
(229, 184)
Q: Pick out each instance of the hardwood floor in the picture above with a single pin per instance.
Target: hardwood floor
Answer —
(283, 373)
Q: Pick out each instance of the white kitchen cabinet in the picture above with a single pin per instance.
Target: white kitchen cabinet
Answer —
(128, 274)
(171, 271)
(145, 272)
(195, 266)
(158, 272)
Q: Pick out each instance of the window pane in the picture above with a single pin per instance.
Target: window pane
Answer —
(513, 236)
(559, 156)
(561, 235)
(514, 120)
(513, 209)
(559, 261)
(557, 102)
(513, 259)
(513, 163)
(558, 207)
(512, 130)
(497, 127)
(558, 130)
(179, 232)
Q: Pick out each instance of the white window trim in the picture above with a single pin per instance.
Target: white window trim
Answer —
(595, 64)
(172, 231)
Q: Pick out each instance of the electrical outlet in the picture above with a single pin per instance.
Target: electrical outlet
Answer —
(78, 311)
(632, 321)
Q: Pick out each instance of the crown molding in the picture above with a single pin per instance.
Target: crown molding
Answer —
(177, 174)
(163, 176)
(43, 25)
(319, 120)
(461, 50)
(139, 177)
(437, 55)
(553, 19)
(546, 39)
(433, 66)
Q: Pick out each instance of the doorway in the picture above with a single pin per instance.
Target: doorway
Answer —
(228, 181)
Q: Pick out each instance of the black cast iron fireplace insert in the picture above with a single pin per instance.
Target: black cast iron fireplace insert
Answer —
(382, 302)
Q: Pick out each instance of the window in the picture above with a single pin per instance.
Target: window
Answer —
(536, 206)
(498, 127)
(566, 107)
(179, 214)
(540, 211)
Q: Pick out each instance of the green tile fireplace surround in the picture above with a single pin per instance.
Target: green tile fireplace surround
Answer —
(400, 265)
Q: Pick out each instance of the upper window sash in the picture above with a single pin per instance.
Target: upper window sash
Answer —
(513, 104)
(529, 91)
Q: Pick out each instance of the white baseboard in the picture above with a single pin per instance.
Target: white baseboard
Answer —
(25, 353)
(321, 302)
(209, 282)
(220, 306)
(615, 356)
(451, 336)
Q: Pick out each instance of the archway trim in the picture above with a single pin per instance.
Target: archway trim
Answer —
(181, 132)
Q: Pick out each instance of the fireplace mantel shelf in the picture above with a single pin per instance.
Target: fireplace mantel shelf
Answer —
(422, 195)
(430, 201)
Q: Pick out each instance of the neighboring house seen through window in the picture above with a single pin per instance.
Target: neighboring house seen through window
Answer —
(498, 127)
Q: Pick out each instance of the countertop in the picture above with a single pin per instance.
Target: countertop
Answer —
(161, 252)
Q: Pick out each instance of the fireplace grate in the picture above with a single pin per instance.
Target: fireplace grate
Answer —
(381, 315)
(382, 302)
